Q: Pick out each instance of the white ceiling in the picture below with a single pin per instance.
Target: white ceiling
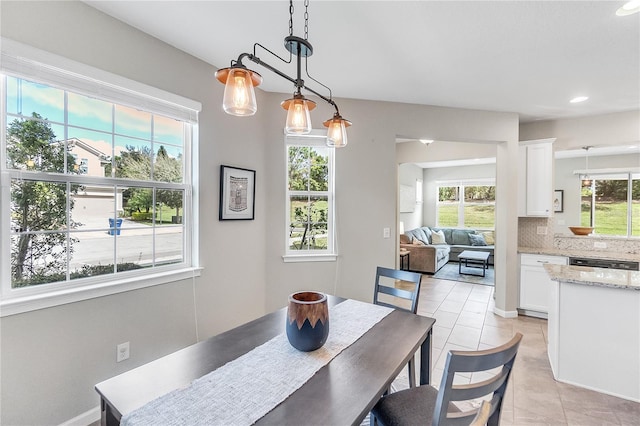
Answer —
(528, 57)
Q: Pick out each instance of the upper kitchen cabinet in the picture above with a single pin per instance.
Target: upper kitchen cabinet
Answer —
(535, 178)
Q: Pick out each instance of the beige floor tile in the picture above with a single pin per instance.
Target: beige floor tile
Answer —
(475, 307)
(445, 319)
(440, 336)
(451, 306)
(467, 337)
(495, 336)
(471, 319)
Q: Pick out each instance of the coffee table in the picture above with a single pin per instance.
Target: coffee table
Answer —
(473, 259)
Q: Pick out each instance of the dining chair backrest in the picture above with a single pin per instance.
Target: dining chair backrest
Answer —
(475, 361)
(395, 277)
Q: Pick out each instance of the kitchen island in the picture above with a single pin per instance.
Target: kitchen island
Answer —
(594, 329)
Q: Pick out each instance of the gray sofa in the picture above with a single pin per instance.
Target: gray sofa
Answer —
(424, 256)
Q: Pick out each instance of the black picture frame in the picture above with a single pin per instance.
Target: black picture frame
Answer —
(237, 193)
(558, 200)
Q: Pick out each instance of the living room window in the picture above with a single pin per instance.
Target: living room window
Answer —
(96, 183)
(466, 204)
(611, 204)
(310, 198)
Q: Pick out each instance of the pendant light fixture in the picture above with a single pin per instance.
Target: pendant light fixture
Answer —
(239, 94)
(586, 179)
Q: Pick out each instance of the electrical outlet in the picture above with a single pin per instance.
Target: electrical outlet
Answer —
(542, 230)
(599, 244)
(386, 232)
(122, 351)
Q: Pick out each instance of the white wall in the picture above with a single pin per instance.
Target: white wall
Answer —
(408, 174)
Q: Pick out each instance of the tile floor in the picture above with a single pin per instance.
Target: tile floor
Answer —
(465, 321)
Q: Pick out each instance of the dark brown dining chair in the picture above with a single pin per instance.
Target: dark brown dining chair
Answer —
(419, 405)
(400, 290)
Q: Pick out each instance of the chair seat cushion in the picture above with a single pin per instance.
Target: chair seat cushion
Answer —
(413, 406)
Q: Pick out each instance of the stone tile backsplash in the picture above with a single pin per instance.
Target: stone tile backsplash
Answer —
(528, 232)
(528, 237)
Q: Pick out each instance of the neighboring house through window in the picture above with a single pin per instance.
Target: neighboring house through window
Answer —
(95, 185)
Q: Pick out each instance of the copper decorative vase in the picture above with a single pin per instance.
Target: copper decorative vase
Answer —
(307, 320)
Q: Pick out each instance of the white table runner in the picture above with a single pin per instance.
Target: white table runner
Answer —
(245, 389)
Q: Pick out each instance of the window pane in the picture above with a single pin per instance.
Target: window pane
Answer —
(298, 168)
(169, 248)
(138, 204)
(168, 130)
(33, 145)
(134, 248)
(94, 206)
(134, 161)
(611, 206)
(169, 205)
(90, 113)
(132, 122)
(448, 214)
(26, 98)
(38, 258)
(168, 165)
(479, 194)
(309, 223)
(481, 216)
(93, 252)
(448, 193)
(38, 206)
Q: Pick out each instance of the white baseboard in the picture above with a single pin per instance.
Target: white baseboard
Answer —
(505, 314)
(85, 418)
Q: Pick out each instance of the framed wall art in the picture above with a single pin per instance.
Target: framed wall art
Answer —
(237, 193)
(558, 200)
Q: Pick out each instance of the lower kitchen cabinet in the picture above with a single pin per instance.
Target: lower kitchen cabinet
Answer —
(535, 285)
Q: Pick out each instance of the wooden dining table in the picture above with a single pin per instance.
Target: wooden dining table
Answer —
(340, 393)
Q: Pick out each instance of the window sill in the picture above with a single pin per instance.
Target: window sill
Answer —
(22, 304)
(295, 258)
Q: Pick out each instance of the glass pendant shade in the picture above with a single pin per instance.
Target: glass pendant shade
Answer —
(239, 95)
(337, 131)
(298, 117)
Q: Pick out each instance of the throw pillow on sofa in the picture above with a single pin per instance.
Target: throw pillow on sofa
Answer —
(477, 240)
(437, 237)
(417, 242)
(489, 237)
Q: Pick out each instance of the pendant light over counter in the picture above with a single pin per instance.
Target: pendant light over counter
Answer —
(239, 94)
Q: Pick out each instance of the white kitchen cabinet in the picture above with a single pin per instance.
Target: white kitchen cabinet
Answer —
(535, 285)
(535, 178)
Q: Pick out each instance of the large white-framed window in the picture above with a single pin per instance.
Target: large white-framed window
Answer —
(610, 202)
(96, 182)
(310, 233)
(466, 204)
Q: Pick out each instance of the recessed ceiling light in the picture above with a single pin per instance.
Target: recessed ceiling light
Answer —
(426, 141)
(579, 99)
(629, 8)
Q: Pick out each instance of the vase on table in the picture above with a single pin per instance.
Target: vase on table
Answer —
(307, 320)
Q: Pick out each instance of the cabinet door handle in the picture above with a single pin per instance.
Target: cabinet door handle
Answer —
(542, 261)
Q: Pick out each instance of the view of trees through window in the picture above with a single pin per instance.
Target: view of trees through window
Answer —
(308, 180)
(466, 206)
(611, 204)
(95, 187)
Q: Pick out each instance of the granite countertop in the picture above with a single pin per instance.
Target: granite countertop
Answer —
(592, 254)
(614, 278)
